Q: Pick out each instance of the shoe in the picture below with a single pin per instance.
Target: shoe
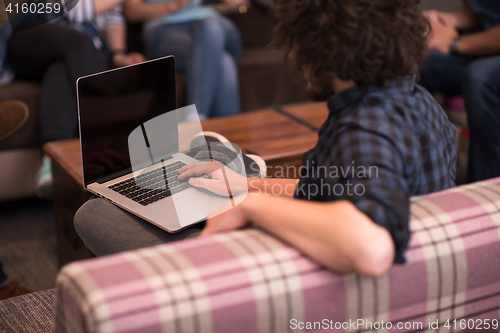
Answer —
(13, 289)
(13, 114)
(44, 180)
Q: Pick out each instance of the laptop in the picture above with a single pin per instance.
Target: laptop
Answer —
(130, 145)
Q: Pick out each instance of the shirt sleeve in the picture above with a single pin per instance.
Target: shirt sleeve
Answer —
(365, 167)
(113, 16)
(378, 184)
(84, 11)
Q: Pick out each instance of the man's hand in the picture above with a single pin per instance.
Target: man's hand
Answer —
(178, 5)
(233, 219)
(223, 179)
(123, 59)
(443, 31)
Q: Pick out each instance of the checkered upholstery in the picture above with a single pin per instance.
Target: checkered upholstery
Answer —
(247, 281)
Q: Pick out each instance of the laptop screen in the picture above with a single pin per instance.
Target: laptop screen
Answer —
(114, 103)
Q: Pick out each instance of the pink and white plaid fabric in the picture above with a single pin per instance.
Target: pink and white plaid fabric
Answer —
(247, 281)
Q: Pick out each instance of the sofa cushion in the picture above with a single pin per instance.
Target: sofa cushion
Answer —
(247, 281)
(28, 135)
(30, 313)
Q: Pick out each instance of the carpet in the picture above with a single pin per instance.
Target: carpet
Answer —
(28, 242)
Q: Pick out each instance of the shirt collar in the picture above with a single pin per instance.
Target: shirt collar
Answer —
(341, 101)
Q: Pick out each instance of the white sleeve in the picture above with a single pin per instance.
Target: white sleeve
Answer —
(114, 16)
(84, 11)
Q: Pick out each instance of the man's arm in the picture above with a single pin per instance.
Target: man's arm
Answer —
(273, 186)
(102, 6)
(445, 26)
(115, 36)
(362, 230)
(481, 43)
(336, 235)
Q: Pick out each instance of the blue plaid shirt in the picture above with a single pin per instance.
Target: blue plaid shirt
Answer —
(379, 146)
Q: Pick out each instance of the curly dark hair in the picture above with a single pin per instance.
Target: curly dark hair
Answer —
(358, 40)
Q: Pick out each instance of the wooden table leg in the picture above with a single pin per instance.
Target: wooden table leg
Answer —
(68, 197)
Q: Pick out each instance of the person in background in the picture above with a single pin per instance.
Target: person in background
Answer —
(90, 38)
(362, 57)
(205, 44)
(469, 64)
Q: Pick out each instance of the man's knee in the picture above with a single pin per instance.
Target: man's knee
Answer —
(89, 216)
(56, 70)
(76, 41)
(229, 69)
(212, 29)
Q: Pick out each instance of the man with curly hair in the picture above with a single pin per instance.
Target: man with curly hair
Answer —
(385, 140)
(362, 57)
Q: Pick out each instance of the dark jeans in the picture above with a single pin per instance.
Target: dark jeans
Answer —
(57, 56)
(478, 80)
(107, 229)
(206, 50)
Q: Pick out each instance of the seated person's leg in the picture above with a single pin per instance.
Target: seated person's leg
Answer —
(107, 229)
(176, 40)
(58, 111)
(204, 74)
(170, 39)
(31, 52)
(481, 86)
(234, 45)
(443, 73)
(227, 98)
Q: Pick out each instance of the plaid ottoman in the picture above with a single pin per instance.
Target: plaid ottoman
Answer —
(248, 281)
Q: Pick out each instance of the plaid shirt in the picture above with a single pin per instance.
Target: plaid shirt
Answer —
(378, 147)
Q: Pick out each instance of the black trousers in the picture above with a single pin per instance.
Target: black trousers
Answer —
(56, 56)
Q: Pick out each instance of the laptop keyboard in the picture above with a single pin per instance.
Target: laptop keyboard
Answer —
(153, 185)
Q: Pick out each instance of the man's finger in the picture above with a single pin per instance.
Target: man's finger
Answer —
(208, 184)
(215, 186)
(195, 170)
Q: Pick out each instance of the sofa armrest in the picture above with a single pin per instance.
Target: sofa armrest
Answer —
(247, 281)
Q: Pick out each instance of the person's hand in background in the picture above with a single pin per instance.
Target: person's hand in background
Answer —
(126, 59)
(229, 6)
(141, 11)
(178, 5)
(443, 31)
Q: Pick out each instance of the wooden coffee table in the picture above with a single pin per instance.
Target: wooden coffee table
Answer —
(279, 135)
